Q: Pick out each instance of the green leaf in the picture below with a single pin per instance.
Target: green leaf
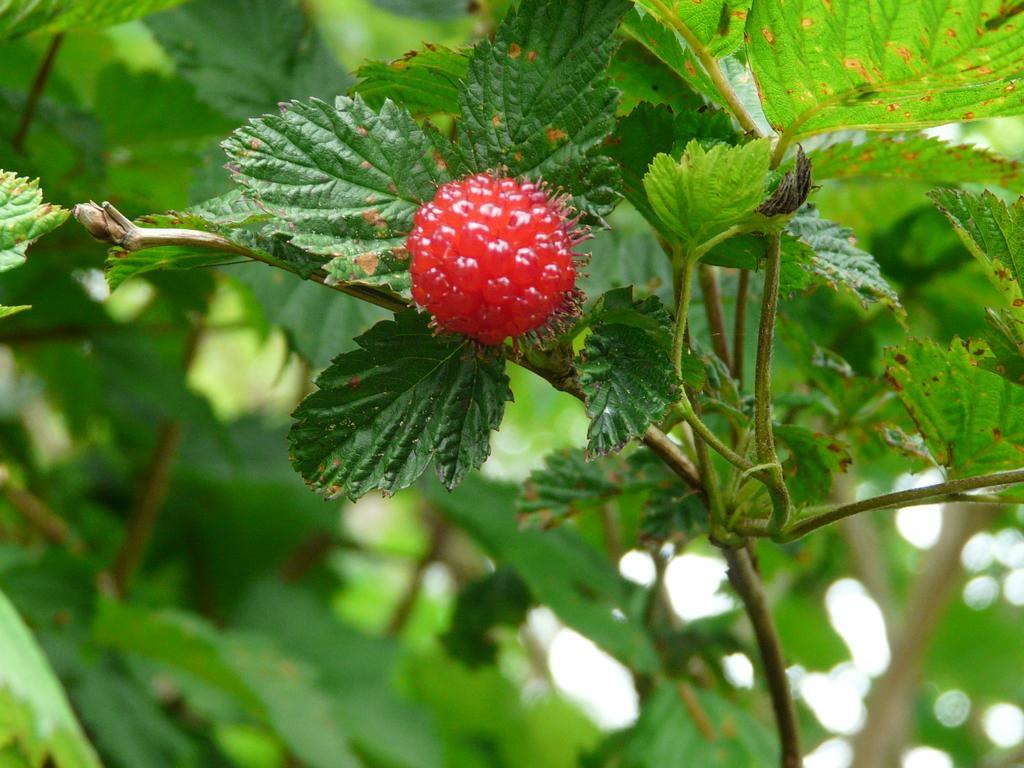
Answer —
(650, 129)
(537, 99)
(971, 420)
(917, 158)
(667, 734)
(24, 218)
(717, 24)
(342, 181)
(567, 485)
(815, 458)
(35, 716)
(562, 571)
(383, 412)
(246, 56)
(425, 82)
(875, 65)
(497, 599)
(20, 17)
(666, 45)
(706, 192)
(644, 79)
(837, 262)
(626, 370)
(270, 685)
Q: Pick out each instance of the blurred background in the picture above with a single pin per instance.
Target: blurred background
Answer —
(143, 455)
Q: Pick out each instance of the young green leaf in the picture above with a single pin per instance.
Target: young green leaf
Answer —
(666, 45)
(839, 263)
(24, 218)
(246, 56)
(874, 65)
(537, 100)
(342, 182)
(971, 420)
(917, 158)
(425, 82)
(383, 412)
(626, 370)
(567, 485)
(706, 192)
(37, 721)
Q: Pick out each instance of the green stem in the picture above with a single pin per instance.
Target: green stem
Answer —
(710, 64)
(948, 491)
(682, 311)
(764, 436)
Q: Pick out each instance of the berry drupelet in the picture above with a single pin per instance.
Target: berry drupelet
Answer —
(493, 257)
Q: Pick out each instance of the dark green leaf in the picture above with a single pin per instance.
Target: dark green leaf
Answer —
(407, 397)
(342, 181)
(537, 100)
(499, 598)
(626, 370)
(425, 82)
(430, 10)
(245, 56)
(717, 24)
(814, 460)
(837, 262)
(23, 16)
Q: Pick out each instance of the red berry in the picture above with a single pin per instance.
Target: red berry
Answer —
(492, 258)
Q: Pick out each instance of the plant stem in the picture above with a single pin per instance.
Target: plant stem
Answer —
(710, 64)
(928, 494)
(764, 437)
(35, 93)
(682, 312)
(107, 224)
(406, 603)
(747, 583)
(740, 327)
(712, 296)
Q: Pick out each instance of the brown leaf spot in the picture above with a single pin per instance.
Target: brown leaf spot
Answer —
(353, 383)
(968, 115)
(531, 56)
(556, 134)
(372, 216)
(515, 51)
(904, 53)
(768, 35)
(997, 434)
(255, 143)
(362, 130)
(806, 23)
(951, 33)
(368, 262)
(901, 359)
(366, 165)
(496, 120)
(911, 156)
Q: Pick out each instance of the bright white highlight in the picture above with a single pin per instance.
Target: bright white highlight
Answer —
(738, 670)
(693, 583)
(922, 525)
(858, 620)
(980, 592)
(834, 753)
(837, 698)
(1004, 725)
(952, 708)
(638, 567)
(978, 553)
(601, 686)
(1009, 548)
(1013, 587)
(926, 757)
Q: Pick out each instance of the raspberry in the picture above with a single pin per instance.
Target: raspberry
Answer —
(492, 257)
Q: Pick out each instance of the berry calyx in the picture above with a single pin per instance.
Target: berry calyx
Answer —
(493, 257)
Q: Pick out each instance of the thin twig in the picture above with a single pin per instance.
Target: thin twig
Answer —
(152, 492)
(712, 296)
(740, 327)
(928, 494)
(308, 554)
(35, 93)
(38, 514)
(747, 583)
